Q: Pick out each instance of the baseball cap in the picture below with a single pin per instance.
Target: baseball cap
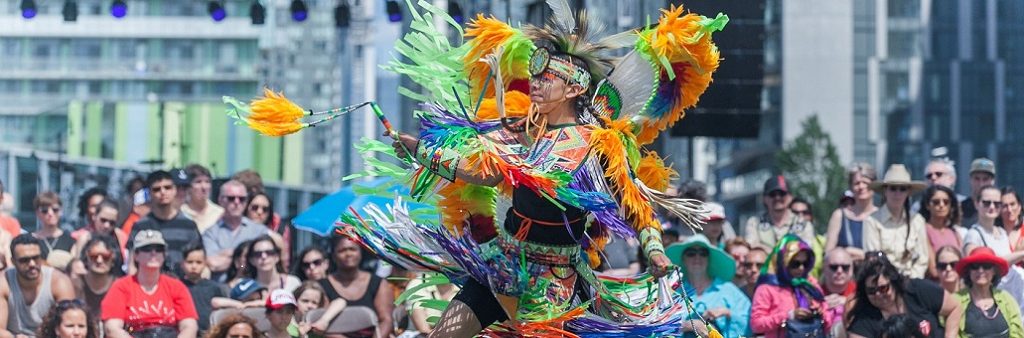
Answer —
(180, 177)
(983, 165)
(714, 212)
(245, 288)
(148, 237)
(776, 183)
(141, 197)
(280, 298)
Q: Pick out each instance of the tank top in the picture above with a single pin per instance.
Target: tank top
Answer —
(93, 299)
(851, 233)
(26, 319)
(367, 298)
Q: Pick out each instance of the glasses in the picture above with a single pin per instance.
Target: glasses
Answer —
(797, 264)
(934, 175)
(840, 267)
(105, 255)
(236, 199)
(992, 204)
(986, 267)
(943, 266)
(694, 253)
(263, 253)
(897, 188)
(801, 212)
(151, 249)
(161, 188)
(939, 201)
(108, 221)
(752, 265)
(69, 303)
(877, 290)
(47, 210)
(312, 263)
(29, 259)
(259, 208)
(777, 194)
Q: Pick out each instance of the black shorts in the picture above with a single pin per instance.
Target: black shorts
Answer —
(482, 302)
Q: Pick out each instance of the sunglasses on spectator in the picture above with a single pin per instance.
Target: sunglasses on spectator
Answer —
(992, 204)
(752, 265)
(236, 199)
(312, 263)
(898, 188)
(105, 255)
(877, 290)
(943, 266)
(939, 201)
(795, 264)
(151, 249)
(932, 175)
(777, 194)
(986, 267)
(694, 253)
(840, 267)
(801, 212)
(29, 259)
(259, 208)
(263, 253)
(47, 210)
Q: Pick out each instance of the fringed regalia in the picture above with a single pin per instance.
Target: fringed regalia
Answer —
(533, 238)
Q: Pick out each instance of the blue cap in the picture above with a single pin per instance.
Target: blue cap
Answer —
(245, 288)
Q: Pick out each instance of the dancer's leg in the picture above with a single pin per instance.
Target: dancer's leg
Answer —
(457, 321)
(472, 310)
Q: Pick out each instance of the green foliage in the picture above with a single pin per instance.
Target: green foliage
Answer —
(812, 167)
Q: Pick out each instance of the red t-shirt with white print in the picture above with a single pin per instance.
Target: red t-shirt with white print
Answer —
(168, 305)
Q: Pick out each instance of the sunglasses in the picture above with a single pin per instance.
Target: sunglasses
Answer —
(797, 264)
(259, 208)
(943, 266)
(986, 267)
(898, 188)
(694, 253)
(840, 267)
(932, 175)
(991, 204)
(47, 210)
(800, 212)
(777, 194)
(312, 263)
(752, 265)
(236, 199)
(69, 303)
(938, 202)
(263, 253)
(105, 255)
(877, 290)
(29, 259)
(151, 249)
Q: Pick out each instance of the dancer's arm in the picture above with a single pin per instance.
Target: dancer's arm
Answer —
(444, 162)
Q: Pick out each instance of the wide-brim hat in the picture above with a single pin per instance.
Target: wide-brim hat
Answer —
(982, 255)
(897, 174)
(720, 264)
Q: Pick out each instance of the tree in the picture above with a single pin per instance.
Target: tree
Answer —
(812, 167)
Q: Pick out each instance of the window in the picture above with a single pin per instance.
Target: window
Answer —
(904, 8)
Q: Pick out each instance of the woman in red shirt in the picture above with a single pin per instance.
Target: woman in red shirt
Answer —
(149, 303)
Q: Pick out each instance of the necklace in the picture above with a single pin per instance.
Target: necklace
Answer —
(984, 311)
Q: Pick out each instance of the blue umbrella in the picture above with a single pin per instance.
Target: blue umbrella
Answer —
(320, 217)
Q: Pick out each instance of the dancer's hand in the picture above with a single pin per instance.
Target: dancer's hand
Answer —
(660, 264)
(409, 141)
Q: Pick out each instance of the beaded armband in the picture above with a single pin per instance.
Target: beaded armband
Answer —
(441, 161)
(650, 241)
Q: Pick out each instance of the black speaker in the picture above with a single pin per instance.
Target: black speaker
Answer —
(734, 125)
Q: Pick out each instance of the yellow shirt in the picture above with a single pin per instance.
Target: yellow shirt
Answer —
(888, 233)
(207, 218)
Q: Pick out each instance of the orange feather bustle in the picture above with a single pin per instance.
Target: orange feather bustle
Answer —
(487, 34)
(686, 44)
(654, 173)
(517, 104)
(607, 144)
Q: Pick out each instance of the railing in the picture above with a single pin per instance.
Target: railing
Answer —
(158, 69)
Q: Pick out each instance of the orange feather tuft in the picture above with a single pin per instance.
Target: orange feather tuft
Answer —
(608, 145)
(654, 173)
(486, 34)
(275, 108)
(517, 104)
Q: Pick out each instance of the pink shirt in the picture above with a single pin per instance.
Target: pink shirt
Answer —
(942, 237)
(771, 306)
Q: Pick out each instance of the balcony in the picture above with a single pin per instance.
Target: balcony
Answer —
(78, 69)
